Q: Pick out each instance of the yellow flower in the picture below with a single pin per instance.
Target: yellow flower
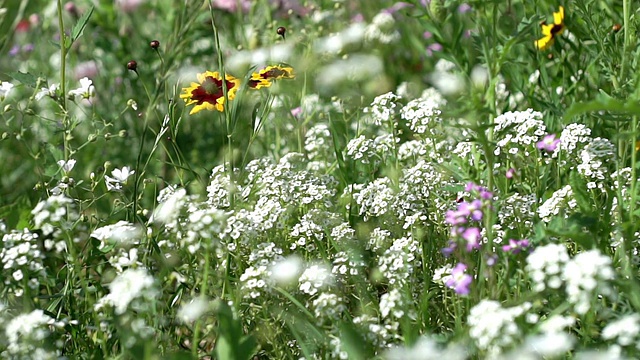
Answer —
(265, 77)
(208, 94)
(550, 31)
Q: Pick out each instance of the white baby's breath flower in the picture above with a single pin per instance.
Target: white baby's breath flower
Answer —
(286, 271)
(119, 178)
(122, 233)
(193, 310)
(5, 89)
(51, 91)
(127, 287)
(86, 89)
(67, 166)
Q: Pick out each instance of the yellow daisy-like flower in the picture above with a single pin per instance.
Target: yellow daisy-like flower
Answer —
(265, 77)
(208, 94)
(550, 31)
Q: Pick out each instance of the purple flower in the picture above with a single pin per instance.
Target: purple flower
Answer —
(472, 237)
(456, 217)
(473, 209)
(459, 281)
(449, 249)
(515, 246)
(296, 112)
(14, 50)
(427, 35)
(549, 143)
(464, 8)
(397, 6)
(433, 47)
(510, 173)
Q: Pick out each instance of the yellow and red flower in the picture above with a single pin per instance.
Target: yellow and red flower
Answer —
(550, 31)
(265, 77)
(208, 94)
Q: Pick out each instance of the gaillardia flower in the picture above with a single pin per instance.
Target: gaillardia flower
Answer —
(550, 31)
(209, 94)
(265, 77)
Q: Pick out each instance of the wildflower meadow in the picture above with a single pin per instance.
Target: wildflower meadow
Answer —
(319, 179)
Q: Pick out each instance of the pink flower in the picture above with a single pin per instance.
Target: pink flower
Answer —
(460, 281)
(549, 143)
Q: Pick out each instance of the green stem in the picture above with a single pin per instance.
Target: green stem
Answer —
(63, 88)
(203, 292)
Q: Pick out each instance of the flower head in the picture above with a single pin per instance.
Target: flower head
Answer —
(5, 88)
(548, 143)
(460, 280)
(86, 89)
(550, 31)
(208, 94)
(264, 77)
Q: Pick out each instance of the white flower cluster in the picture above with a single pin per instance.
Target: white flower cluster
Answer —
(624, 331)
(596, 158)
(427, 349)
(586, 275)
(318, 144)
(423, 116)
(399, 261)
(375, 199)
(119, 244)
(493, 327)
(28, 336)
(392, 304)
(262, 259)
(311, 229)
(132, 288)
(328, 307)
(515, 214)
(55, 215)
(382, 29)
(316, 277)
(20, 256)
(545, 264)
(561, 199)
(573, 137)
(518, 131)
(361, 149)
(384, 109)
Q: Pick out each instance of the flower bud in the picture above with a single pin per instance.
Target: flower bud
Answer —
(281, 31)
(132, 65)
(155, 44)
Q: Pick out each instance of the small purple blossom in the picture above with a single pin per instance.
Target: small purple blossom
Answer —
(397, 7)
(516, 246)
(427, 35)
(433, 47)
(455, 217)
(473, 209)
(472, 237)
(510, 173)
(296, 112)
(460, 281)
(464, 8)
(449, 249)
(549, 143)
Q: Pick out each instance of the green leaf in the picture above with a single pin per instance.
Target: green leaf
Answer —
(603, 102)
(579, 188)
(354, 343)
(25, 78)
(78, 28)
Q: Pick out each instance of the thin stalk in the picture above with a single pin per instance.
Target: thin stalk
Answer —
(63, 88)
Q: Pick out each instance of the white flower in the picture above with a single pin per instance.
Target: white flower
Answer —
(5, 88)
(168, 210)
(66, 166)
(286, 271)
(314, 278)
(625, 330)
(426, 349)
(86, 89)
(121, 232)
(126, 287)
(51, 91)
(193, 310)
(119, 178)
(550, 345)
